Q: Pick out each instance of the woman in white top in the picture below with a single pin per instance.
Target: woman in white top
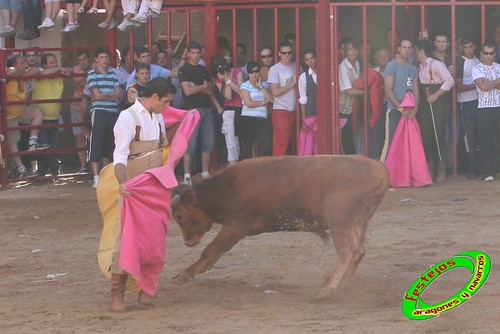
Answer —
(254, 125)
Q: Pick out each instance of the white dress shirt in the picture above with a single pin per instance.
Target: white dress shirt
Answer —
(303, 85)
(125, 130)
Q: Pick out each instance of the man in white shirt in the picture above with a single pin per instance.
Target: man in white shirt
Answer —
(467, 98)
(139, 136)
(486, 75)
(307, 91)
(282, 79)
(349, 71)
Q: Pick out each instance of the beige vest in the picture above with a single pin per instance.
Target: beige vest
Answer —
(144, 154)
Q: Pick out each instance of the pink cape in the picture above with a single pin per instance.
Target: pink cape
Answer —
(145, 213)
(307, 140)
(406, 158)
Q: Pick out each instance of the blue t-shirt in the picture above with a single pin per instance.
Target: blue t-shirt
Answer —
(404, 75)
(106, 83)
(255, 95)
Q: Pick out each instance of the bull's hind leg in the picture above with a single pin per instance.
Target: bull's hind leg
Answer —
(348, 238)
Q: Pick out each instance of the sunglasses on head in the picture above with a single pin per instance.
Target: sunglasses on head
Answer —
(286, 52)
(266, 56)
(488, 53)
(256, 71)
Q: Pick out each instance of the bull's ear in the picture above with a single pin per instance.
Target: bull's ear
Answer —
(189, 196)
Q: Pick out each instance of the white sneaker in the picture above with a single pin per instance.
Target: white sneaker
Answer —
(205, 175)
(489, 178)
(96, 182)
(113, 25)
(7, 31)
(187, 179)
(46, 24)
(70, 27)
(139, 18)
(124, 25)
(152, 13)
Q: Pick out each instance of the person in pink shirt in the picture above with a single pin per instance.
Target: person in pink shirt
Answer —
(435, 84)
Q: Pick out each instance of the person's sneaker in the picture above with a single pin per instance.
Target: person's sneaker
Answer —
(124, 25)
(132, 25)
(205, 175)
(489, 178)
(187, 179)
(83, 170)
(113, 24)
(28, 35)
(35, 145)
(96, 182)
(104, 25)
(71, 26)
(139, 18)
(46, 24)
(152, 13)
(7, 31)
(93, 10)
(80, 10)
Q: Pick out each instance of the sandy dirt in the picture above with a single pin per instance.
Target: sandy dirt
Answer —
(265, 284)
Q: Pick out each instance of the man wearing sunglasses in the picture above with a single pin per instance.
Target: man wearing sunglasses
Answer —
(282, 80)
(486, 75)
(266, 58)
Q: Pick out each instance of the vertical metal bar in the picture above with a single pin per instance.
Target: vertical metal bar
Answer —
(169, 38)
(150, 39)
(454, 89)
(255, 34)
(483, 24)
(111, 44)
(188, 26)
(210, 34)
(336, 138)
(3, 125)
(393, 30)
(297, 71)
(131, 52)
(423, 19)
(365, 74)
(276, 38)
(235, 32)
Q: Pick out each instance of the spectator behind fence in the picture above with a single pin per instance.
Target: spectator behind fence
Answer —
(230, 80)
(198, 92)
(16, 91)
(105, 90)
(283, 79)
(136, 90)
(49, 89)
(254, 126)
(79, 110)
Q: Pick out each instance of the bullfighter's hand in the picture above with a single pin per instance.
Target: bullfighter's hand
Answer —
(432, 98)
(123, 190)
(305, 128)
(409, 112)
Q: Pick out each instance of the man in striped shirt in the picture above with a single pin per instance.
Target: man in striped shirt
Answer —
(104, 87)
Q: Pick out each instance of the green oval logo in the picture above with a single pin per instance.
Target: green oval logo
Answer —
(479, 265)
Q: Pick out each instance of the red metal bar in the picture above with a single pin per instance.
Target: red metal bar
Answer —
(188, 27)
(393, 30)
(365, 90)
(235, 32)
(150, 40)
(255, 34)
(335, 85)
(276, 38)
(168, 24)
(483, 25)
(297, 71)
(454, 90)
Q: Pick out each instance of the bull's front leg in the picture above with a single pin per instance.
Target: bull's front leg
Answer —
(223, 242)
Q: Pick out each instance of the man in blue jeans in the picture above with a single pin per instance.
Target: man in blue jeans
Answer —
(198, 93)
(32, 17)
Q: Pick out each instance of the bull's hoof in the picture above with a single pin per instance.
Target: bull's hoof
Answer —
(324, 296)
(182, 277)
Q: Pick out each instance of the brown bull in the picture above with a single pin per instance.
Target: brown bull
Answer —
(309, 194)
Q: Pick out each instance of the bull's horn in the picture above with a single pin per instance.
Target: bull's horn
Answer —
(175, 200)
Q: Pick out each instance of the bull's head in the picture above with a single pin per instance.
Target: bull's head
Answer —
(193, 222)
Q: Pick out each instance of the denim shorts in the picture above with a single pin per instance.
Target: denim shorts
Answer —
(206, 130)
(12, 5)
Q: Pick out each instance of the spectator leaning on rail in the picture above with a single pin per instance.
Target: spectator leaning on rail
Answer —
(17, 90)
(105, 91)
(49, 89)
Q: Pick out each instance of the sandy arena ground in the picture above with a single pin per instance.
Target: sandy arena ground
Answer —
(265, 284)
